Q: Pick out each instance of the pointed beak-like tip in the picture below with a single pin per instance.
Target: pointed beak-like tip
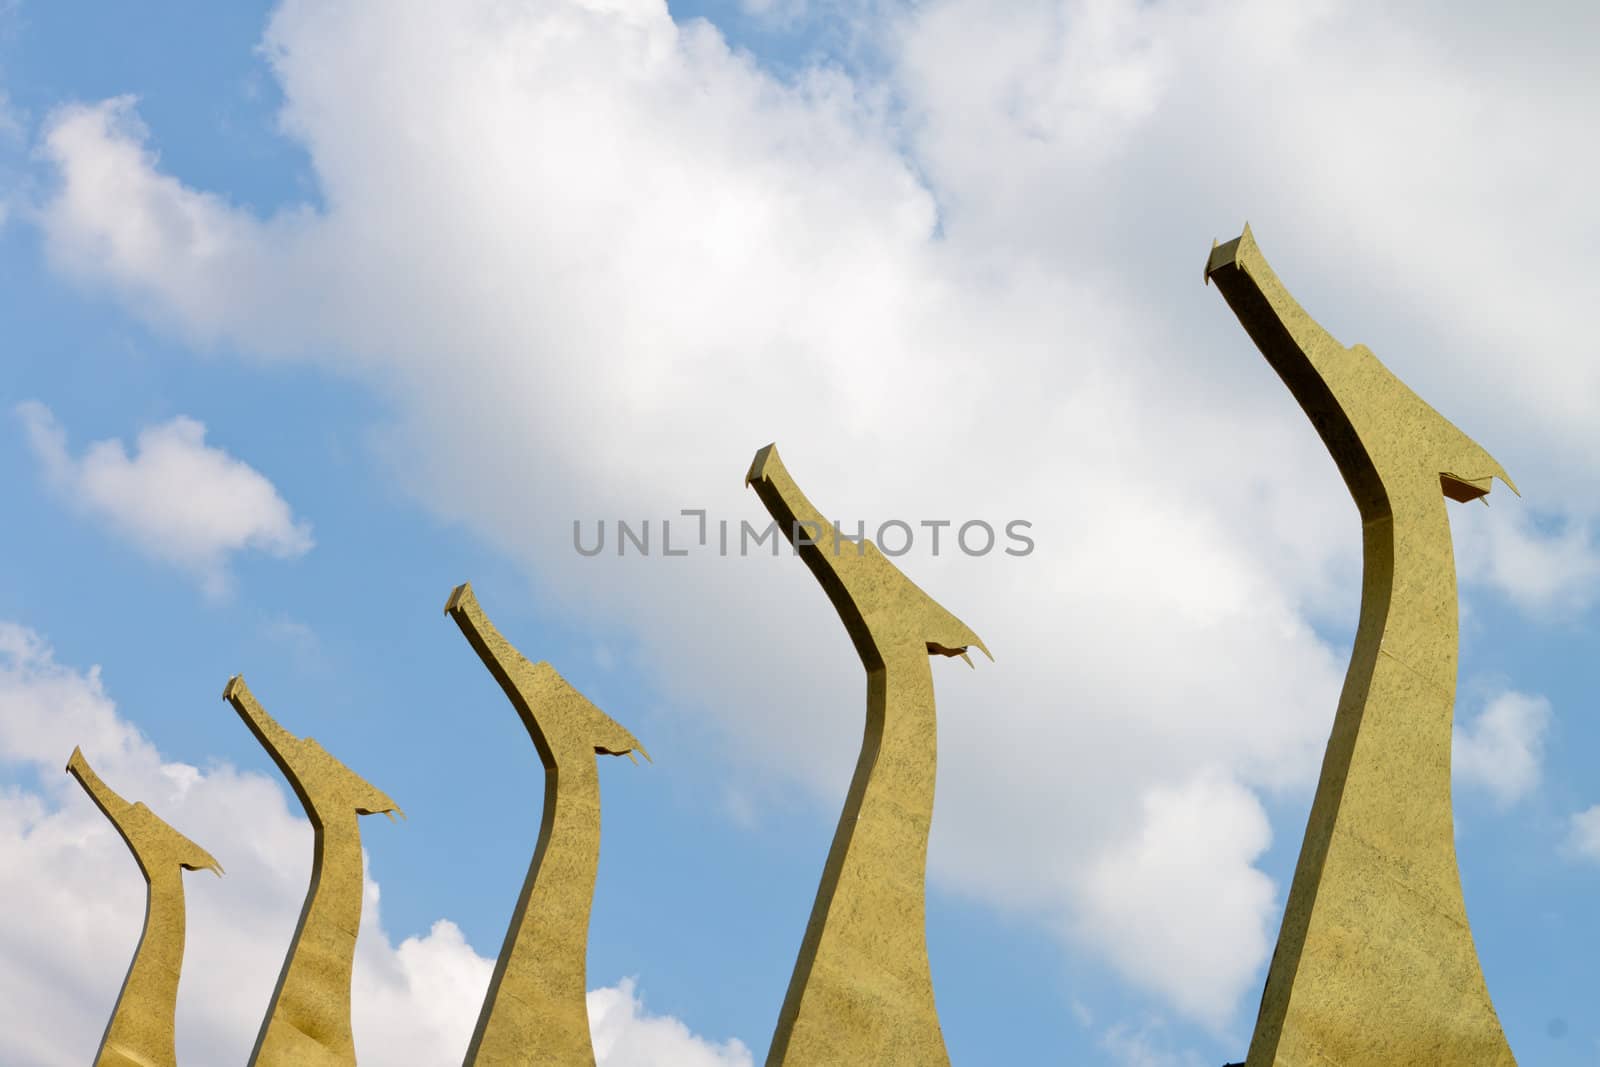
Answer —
(1463, 489)
(960, 651)
(458, 597)
(204, 862)
(75, 759)
(625, 750)
(758, 466)
(1226, 255)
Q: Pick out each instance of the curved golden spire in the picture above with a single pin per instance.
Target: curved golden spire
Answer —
(861, 990)
(536, 1010)
(1375, 963)
(308, 1020)
(141, 1032)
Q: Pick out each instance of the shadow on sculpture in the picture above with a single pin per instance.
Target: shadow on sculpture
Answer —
(1375, 962)
(141, 1032)
(536, 1010)
(308, 1020)
(861, 991)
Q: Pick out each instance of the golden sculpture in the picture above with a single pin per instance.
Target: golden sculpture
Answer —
(1375, 963)
(536, 1010)
(141, 1030)
(308, 1020)
(861, 991)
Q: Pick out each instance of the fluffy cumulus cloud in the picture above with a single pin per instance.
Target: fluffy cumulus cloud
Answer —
(604, 256)
(63, 865)
(1502, 749)
(1200, 838)
(625, 1035)
(176, 498)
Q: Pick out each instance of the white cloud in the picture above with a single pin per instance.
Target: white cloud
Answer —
(177, 498)
(626, 1036)
(1200, 840)
(1583, 834)
(1502, 749)
(605, 257)
(1553, 571)
(61, 864)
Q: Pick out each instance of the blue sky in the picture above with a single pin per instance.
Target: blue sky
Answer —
(400, 296)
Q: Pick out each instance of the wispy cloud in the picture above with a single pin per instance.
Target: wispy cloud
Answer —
(1548, 568)
(1502, 749)
(1583, 834)
(301, 641)
(1147, 1043)
(176, 498)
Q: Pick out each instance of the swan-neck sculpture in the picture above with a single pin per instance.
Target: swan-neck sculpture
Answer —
(308, 1020)
(536, 1011)
(1375, 963)
(862, 991)
(141, 1032)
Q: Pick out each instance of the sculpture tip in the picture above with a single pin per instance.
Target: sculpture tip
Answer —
(1228, 255)
(457, 595)
(758, 466)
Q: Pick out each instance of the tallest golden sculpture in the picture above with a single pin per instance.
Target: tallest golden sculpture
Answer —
(141, 1032)
(1375, 963)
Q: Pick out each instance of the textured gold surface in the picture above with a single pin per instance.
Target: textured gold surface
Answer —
(141, 1030)
(308, 1020)
(861, 992)
(536, 1011)
(1375, 965)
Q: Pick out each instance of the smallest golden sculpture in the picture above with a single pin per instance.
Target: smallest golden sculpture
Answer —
(141, 1030)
